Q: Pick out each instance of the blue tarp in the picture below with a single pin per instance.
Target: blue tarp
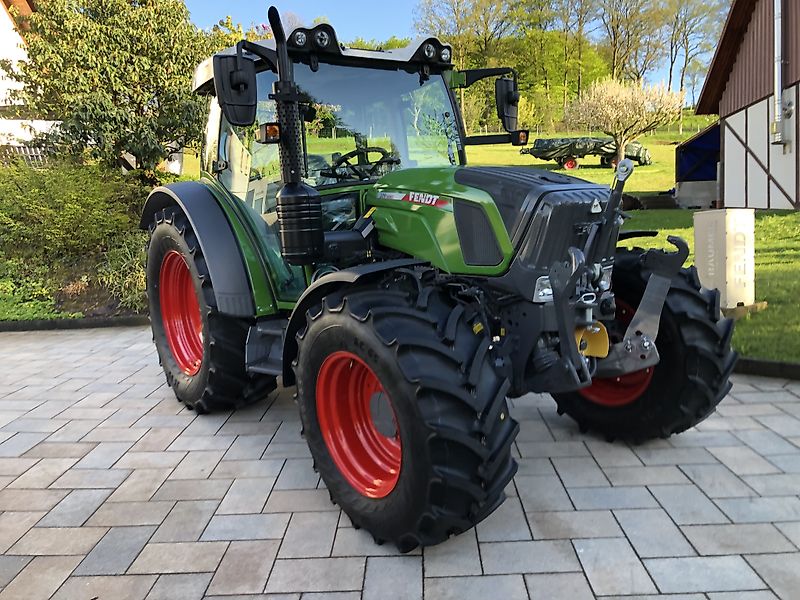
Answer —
(696, 159)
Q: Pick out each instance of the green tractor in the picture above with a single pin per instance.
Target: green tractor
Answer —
(338, 240)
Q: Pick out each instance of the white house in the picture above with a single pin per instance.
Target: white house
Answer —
(754, 86)
(14, 132)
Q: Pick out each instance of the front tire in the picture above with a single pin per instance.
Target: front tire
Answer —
(201, 351)
(691, 378)
(440, 460)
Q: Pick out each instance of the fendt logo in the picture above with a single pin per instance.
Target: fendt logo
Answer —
(416, 198)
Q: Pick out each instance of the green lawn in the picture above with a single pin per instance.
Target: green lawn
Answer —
(774, 333)
(647, 180)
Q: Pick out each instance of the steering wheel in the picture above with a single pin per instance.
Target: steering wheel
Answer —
(364, 171)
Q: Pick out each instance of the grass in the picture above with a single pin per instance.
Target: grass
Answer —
(646, 180)
(773, 334)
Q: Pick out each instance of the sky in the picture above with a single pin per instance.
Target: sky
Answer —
(350, 18)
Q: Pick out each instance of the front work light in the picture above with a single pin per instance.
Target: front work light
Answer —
(446, 55)
(300, 38)
(322, 38)
(429, 51)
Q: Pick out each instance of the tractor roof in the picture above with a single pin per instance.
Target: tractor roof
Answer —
(337, 53)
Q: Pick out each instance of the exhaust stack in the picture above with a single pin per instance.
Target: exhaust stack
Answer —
(778, 121)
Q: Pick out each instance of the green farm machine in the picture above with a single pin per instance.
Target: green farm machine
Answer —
(337, 239)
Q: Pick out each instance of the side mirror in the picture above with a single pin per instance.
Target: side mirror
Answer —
(235, 84)
(506, 96)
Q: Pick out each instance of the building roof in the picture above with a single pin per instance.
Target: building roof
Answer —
(725, 56)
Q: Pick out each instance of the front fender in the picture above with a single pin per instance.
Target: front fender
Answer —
(220, 248)
(321, 288)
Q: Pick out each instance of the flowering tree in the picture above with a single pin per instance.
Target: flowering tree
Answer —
(625, 110)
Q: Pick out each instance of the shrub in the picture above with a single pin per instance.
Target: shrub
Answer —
(122, 272)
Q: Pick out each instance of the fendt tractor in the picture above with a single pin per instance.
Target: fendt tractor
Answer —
(338, 240)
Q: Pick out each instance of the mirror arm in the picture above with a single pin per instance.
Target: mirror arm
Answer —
(473, 75)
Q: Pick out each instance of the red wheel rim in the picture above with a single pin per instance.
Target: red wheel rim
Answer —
(180, 313)
(570, 164)
(368, 459)
(625, 389)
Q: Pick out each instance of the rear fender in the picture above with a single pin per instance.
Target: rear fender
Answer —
(220, 248)
(321, 288)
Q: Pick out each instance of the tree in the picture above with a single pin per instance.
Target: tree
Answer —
(632, 35)
(626, 110)
(116, 74)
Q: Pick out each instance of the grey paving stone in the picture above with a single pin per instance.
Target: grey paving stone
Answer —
(104, 455)
(193, 489)
(761, 510)
(358, 542)
(190, 586)
(694, 438)
(125, 587)
(675, 456)
(116, 551)
(609, 498)
(560, 585)
(247, 468)
(186, 521)
(150, 460)
(687, 505)
(534, 466)
(743, 461)
(782, 484)
(500, 558)
(393, 578)
(309, 535)
(10, 566)
(198, 464)
(57, 541)
(316, 575)
(791, 531)
(780, 571)
(140, 485)
(20, 443)
(788, 463)
(246, 496)
(506, 524)
(579, 472)
(542, 492)
(737, 539)
(458, 556)
(552, 449)
(246, 527)
(285, 501)
(91, 478)
(297, 474)
(179, 557)
(41, 475)
(760, 595)
(717, 481)
(633, 476)
(13, 525)
(703, 574)
(40, 578)
(508, 587)
(202, 442)
(16, 466)
(156, 439)
(247, 447)
(781, 424)
(612, 567)
(114, 514)
(59, 450)
(573, 524)
(653, 534)
(29, 500)
(244, 568)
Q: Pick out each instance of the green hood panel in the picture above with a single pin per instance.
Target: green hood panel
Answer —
(414, 213)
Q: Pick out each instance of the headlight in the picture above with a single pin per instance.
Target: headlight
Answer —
(543, 292)
(446, 55)
(322, 38)
(300, 38)
(429, 51)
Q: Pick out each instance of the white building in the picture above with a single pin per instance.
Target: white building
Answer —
(14, 132)
(754, 86)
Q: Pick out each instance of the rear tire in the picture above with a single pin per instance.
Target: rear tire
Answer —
(691, 378)
(201, 351)
(450, 415)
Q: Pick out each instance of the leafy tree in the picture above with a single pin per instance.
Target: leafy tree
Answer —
(626, 110)
(116, 74)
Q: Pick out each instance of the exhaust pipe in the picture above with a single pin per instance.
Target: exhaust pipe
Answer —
(299, 205)
(777, 123)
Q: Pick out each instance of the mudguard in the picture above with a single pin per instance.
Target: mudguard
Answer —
(217, 241)
(321, 288)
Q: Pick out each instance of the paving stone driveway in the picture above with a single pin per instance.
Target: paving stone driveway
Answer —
(109, 490)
